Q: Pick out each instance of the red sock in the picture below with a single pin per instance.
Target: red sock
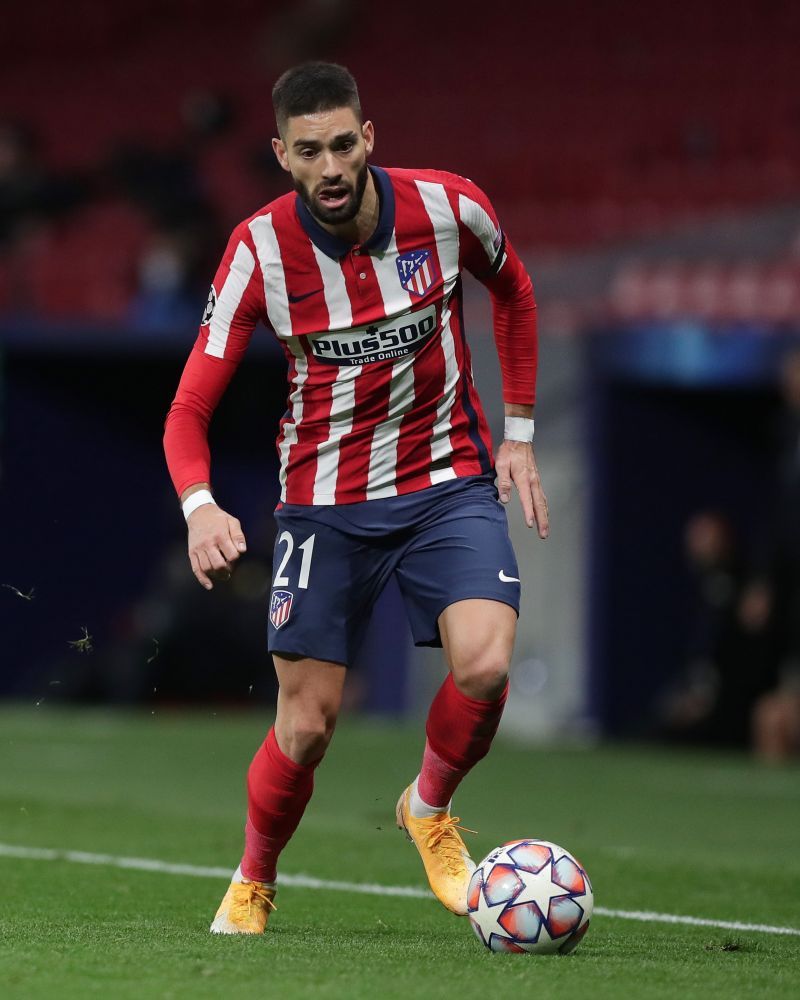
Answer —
(278, 791)
(460, 731)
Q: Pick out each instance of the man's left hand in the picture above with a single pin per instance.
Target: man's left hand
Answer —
(515, 463)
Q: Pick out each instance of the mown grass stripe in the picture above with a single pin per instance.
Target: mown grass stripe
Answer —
(365, 888)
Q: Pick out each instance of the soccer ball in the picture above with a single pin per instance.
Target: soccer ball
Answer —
(530, 895)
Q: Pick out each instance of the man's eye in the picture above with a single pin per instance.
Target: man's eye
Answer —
(346, 147)
(307, 154)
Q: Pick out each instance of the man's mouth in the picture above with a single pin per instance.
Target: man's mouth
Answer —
(334, 197)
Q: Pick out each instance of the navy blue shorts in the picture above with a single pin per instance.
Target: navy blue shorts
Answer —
(444, 544)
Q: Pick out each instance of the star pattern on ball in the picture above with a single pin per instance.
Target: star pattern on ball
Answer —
(539, 888)
(530, 895)
(487, 918)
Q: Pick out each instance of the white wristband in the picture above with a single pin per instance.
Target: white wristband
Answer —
(519, 429)
(198, 499)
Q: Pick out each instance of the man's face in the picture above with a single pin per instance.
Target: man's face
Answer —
(326, 154)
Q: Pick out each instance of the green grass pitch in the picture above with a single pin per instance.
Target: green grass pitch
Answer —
(674, 832)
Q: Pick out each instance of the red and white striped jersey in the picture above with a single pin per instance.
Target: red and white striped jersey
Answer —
(381, 396)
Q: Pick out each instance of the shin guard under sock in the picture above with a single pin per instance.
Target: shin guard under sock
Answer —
(278, 790)
(459, 733)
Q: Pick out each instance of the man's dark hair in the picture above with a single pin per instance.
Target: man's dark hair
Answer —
(312, 87)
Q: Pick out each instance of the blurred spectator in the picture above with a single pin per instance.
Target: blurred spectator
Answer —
(29, 192)
(167, 297)
(729, 642)
(776, 720)
(173, 270)
(207, 115)
(165, 183)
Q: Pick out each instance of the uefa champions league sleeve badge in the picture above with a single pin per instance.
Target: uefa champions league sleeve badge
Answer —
(208, 312)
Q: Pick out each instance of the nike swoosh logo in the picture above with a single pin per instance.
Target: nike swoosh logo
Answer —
(299, 298)
(507, 579)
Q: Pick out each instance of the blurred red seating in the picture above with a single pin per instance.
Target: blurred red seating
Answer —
(86, 267)
(585, 122)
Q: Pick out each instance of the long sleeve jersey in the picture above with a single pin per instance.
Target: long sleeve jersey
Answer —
(381, 395)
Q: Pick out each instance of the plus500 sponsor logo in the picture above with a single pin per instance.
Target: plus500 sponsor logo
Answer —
(374, 343)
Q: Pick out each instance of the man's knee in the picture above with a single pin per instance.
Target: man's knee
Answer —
(304, 732)
(481, 674)
(309, 696)
(478, 636)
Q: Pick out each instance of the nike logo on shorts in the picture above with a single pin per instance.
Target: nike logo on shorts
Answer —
(299, 298)
(507, 579)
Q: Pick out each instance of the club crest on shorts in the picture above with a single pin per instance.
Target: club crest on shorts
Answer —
(280, 607)
(417, 271)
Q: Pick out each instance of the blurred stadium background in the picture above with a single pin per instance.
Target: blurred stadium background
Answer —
(644, 158)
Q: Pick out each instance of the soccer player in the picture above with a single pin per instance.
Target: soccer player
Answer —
(385, 460)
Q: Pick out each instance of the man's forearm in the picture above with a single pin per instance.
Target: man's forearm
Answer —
(514, 321)
(202, 384)
(519, 410)
(194, 489)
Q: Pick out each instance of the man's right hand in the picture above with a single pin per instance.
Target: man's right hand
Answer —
(216, 541)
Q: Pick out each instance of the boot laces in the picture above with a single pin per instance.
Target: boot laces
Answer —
(445, 839)
(248, 895)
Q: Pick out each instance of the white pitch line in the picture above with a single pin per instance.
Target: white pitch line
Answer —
(199, 871)
(365, 888)
(673, 918)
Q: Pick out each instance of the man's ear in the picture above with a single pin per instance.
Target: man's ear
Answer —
(368, 132)
(279, 149)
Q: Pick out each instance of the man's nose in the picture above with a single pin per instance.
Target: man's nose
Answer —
(330, 168)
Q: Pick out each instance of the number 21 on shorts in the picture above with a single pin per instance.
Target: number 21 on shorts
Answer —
(307, 548)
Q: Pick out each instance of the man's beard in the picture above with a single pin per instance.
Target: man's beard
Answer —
(344, 213)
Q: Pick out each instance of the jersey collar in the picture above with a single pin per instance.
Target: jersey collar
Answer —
(336, 248)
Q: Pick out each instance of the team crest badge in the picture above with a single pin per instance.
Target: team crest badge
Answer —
(417, 271)
(280, 607)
